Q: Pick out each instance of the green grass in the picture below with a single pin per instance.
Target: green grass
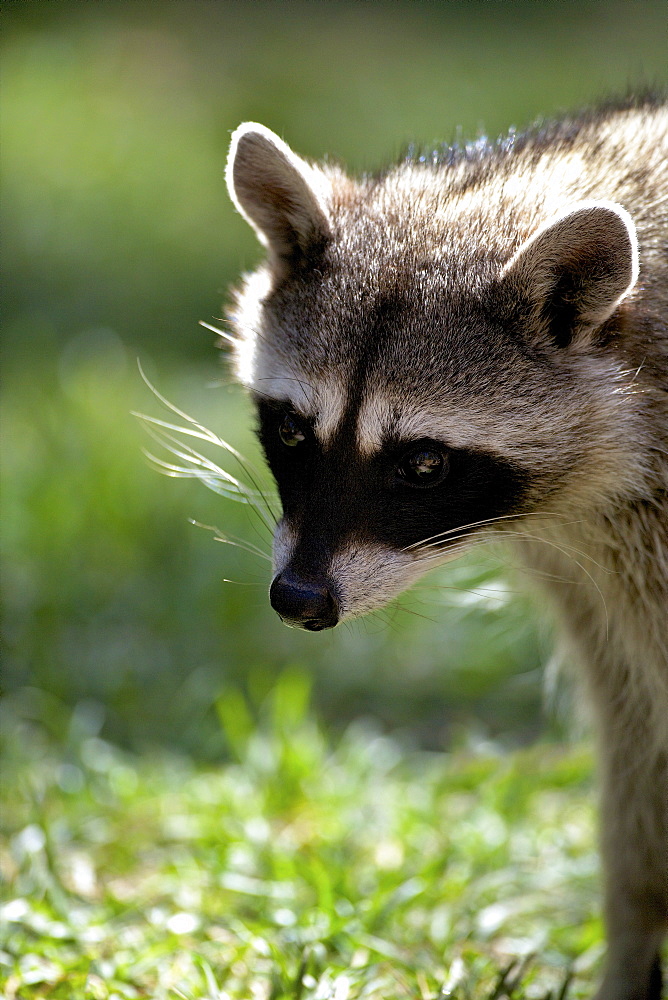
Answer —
(303, 868)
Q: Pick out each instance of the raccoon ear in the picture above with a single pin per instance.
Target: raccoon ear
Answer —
(280, 195)
(575, 270)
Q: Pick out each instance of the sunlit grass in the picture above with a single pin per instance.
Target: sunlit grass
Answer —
(304, 868)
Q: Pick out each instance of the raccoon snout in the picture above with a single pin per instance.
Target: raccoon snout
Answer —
(304, 603)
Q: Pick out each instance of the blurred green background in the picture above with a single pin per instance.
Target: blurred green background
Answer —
(119, 237)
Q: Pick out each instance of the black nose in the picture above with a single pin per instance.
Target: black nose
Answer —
(304, 603)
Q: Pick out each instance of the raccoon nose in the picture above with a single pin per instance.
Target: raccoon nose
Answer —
(304, 603)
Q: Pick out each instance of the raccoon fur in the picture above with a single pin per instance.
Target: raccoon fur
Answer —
(474, 345)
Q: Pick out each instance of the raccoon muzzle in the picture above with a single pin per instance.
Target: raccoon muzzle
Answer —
(304, 603)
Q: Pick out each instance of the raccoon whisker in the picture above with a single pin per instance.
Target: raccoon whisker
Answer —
(477, 524)
(539, 574)
(221, 333)
(411, 611)
(387, 614)
(252, 550)
(150, 423)
(454, 588)
(486, 536)
(168, 469)
(249, 332)
(491, 594)
(257, 493)
(382, 617)
(208, 473)
(354, 625)
(201, 432)
(205, 434)
(210, 479)
(285, 378)
(188, 454)
(250, 473)
(194, 458)
(464, 528)
(259, 514)
(562, 546)
(209, 436)
(432, 540)
(240, 543)
(569, 554)
(507, 565)
(492, 535)
(440, 556)
(221, 536)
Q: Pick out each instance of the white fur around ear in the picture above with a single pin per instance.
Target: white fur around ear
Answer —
(282, 196)
(576, 268)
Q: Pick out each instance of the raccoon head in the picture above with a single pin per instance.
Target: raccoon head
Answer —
(423, 372)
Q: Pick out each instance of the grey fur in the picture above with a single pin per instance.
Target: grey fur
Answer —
(489, 300)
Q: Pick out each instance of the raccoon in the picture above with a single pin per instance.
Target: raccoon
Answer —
(474, 345)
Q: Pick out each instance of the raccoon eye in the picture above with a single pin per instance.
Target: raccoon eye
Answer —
(290, 432)
(423, 467)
